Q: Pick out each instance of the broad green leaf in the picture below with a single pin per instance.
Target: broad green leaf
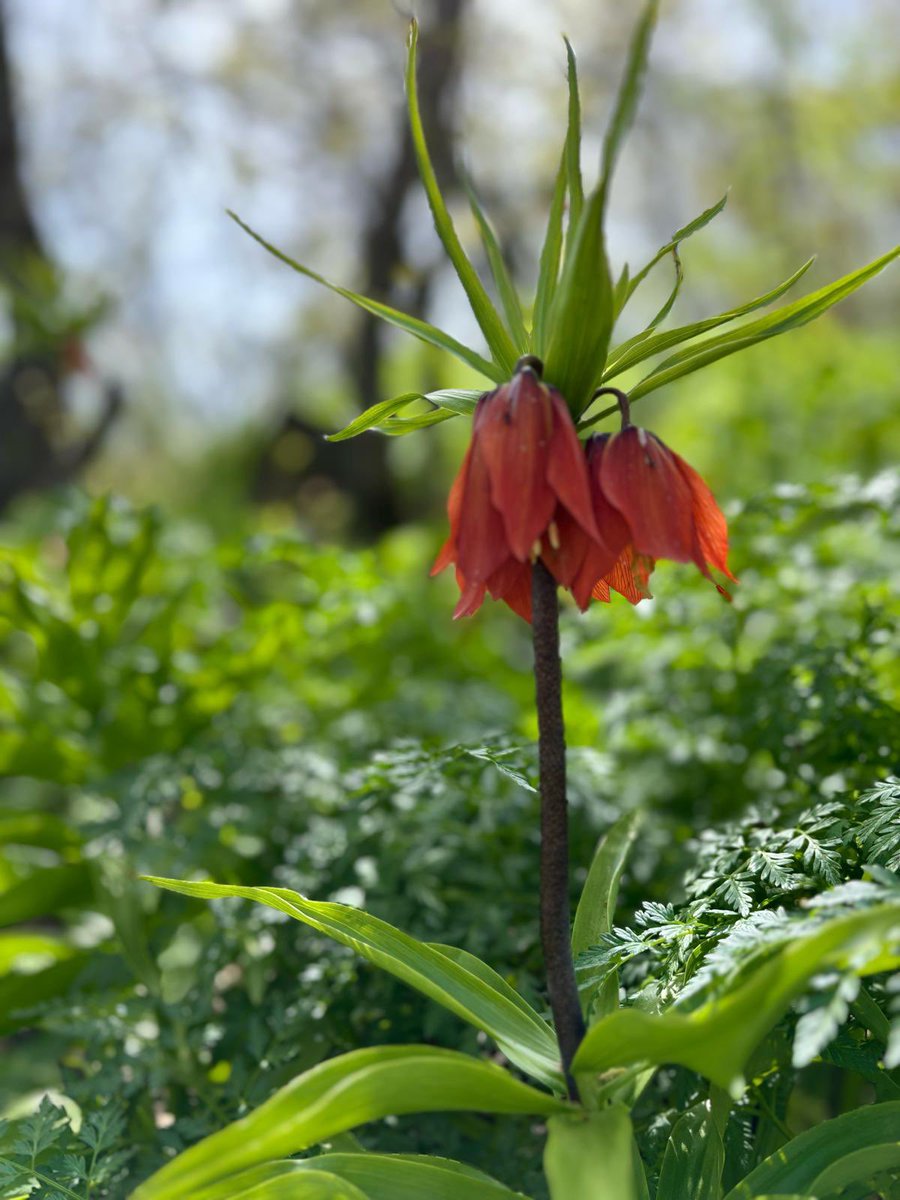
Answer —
(488, 318)
(643, 345)
(834, 1150)
(378, 1176)
(574, 184)
(382, 416)
(310, 1185)
(859, 1167)
(597, 903)
(362, 1086)
(418, 328)
(590, 1156)
(413, 1177)
(506, 290)
(791, 316)
(582, 315)
(717, 1038)
(627, 97)
(522, 1036)
(694, 1158)
(679, 236)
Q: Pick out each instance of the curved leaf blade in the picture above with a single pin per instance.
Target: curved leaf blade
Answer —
(838, 1149)
(643, 346)
(694, 1158)
(412, 1177)
(627, 97)
(338, 1095)
(506, 290)
(597, 903)
(418, 328)
(522, 1036)
(679, 236)
(791, 316)
(383, 416)
(488, 318)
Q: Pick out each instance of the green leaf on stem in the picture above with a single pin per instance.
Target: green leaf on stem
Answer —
(590, 1155)
(717, 1038)
(791, 316)
(499, 341)
(383, 417)
(362, 1086)
(679, 236)
(694, 1158)
(520, 1033)
(582, 315)
(597, 903)
(627, 97)
(374, 1176)
(418, 328)
(574, 184)
(847, 1150)
(643, 346)
(506, 290)
(551, 254)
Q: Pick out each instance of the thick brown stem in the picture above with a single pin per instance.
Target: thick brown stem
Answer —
(555, 930)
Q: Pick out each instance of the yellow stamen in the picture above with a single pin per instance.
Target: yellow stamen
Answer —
(536, 550)
(553, 534)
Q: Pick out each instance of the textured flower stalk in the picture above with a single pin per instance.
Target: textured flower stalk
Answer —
(555, 915)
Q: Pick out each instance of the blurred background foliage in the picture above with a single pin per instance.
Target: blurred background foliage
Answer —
(238, 667)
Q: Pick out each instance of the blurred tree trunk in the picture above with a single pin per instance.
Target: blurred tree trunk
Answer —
(360, 468)
(34, 452)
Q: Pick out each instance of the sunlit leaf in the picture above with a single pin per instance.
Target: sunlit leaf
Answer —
(717, 1038)
(518, 1030)
(589, 1155)
(338, 1095)
(679, 236)
(574, 184)
(848, 1149)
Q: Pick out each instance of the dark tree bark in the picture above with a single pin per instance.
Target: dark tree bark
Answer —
(33, 451)
(360, 468)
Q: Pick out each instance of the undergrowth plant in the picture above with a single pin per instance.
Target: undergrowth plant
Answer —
(676, 1042)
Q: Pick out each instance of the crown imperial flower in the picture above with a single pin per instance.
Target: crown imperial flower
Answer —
(522, 493)
(667, 507)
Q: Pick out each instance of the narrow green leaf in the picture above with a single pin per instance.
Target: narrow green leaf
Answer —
(834, 1149)
(791, 316)
(488, 318)
(551, 254)
(420, 329)
(597, 904)
(590, 1156)
(451, 402)
(717, 1038)
(506, 290)
(596, 907)
(627, 97)
(374, 416)
(679, 236)
(620, 292)
(340, 1094)
(694, 1158)
(642, 345)
(524, 1038)
(574, 183)
(582, 315)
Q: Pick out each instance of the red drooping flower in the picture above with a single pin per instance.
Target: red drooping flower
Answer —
(668, 509)
(522, 493)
